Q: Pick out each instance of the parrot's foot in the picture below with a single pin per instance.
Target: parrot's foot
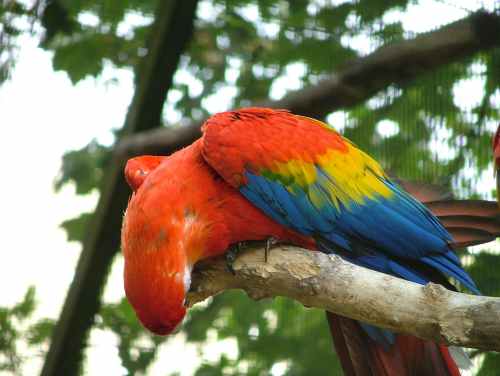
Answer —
(234, 249)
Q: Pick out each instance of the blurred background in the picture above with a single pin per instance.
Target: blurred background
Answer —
(79, 77)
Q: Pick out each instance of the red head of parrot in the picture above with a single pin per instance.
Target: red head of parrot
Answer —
(165, 231)
(138, 168)
(181, 211)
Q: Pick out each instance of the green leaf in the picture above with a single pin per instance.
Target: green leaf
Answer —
(25, 308)
(490, 366)
(484, 271)
(75, 227)
(83, 167)
(56, 19)
(137, 348)
(13, 333)
(40, 332)
(82, 58)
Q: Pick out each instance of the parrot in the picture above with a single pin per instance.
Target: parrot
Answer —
(260, 174)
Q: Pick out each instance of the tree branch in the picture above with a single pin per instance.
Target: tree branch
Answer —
(328, 282)
(397, 63)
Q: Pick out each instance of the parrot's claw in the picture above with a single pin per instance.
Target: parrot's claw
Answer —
(236, 248)
(270, 242)
(231, 256)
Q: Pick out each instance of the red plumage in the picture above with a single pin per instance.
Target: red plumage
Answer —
(182, 211)
(409, 356)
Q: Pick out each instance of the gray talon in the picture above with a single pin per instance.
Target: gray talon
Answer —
(270, 242)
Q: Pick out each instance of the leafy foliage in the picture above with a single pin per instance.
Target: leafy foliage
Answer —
(484, 270)
(267, 333)
(14, 18)
(75, 227)
(14, 331)
(83, 167)
(490, 366)
(84, 35)
(137, 348)
(247, 49)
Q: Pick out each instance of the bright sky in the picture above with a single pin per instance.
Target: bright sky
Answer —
(44, 115)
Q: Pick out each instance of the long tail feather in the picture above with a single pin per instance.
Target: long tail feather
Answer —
(424, 192)
(469, 222)
(466, 237)
(475, 208)
(409, 356)
(489, 225)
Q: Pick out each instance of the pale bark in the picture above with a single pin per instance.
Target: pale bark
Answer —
(328, 282)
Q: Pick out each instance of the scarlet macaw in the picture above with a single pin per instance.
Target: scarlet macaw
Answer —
(258, 173)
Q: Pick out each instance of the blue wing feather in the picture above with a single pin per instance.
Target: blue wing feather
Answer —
(397, 227)
(387, 229)
(336, 194)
